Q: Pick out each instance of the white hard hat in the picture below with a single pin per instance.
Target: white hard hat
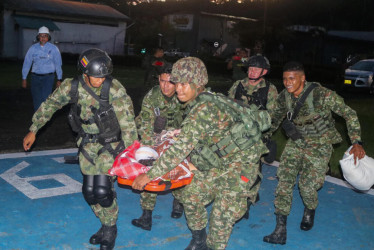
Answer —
(43, 30)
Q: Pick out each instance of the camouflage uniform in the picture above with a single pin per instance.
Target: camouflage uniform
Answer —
(270, 104)
(271, 97)
(309, 156)
(207, 123)
(123, 108)
(170, 108)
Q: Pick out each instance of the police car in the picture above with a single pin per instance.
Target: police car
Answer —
(360, 75)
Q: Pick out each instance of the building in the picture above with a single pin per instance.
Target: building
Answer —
(204, 32)
(74, 26)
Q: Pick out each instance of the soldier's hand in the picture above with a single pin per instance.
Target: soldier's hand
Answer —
(28, 141)
(357, 151)
(24, 83)
(140, 182)
(58, 83)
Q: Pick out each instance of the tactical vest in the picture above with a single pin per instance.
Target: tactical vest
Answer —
(258, 98)
(315, 123)
(246, 130)
(104, 118)
(173, 114)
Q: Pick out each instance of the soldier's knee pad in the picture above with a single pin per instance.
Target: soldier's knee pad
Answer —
(88, 189)
(103, 190)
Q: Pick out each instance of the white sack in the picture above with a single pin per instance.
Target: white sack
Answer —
(361, 175)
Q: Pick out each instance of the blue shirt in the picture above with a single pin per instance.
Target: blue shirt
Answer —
(44, 60)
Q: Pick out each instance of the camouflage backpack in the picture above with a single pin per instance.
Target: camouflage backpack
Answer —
(249, 122)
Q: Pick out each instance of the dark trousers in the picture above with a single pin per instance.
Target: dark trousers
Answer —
(41, 88)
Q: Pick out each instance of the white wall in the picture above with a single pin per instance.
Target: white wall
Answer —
(72, 38)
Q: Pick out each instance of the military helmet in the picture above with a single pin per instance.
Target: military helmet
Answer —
(258, 61)
(95, 62)
(190, 70)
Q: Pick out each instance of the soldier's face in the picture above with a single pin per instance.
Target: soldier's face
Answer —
(94, 82)
(242, 54)
(167, 88)
(254, 73)
(294, 82)
(184, 91)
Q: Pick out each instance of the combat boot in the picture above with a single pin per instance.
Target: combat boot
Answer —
(145, 221)
(109, 237)
(279, 236)
(198, 241)
(177, 209)
(97, 237)
(308, 219)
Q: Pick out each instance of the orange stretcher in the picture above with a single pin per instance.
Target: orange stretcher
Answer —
(160, 185)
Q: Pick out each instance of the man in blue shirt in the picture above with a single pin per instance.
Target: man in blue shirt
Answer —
(45, 59)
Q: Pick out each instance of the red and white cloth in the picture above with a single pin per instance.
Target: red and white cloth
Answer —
(126, 166)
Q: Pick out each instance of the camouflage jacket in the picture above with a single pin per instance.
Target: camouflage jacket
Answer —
(271, 97)
(324, 101)
(205, 122)
(118, 97)
(170, 108)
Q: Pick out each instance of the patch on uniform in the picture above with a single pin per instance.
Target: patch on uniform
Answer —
(84, 61)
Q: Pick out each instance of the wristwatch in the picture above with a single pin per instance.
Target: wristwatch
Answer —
(359, 143)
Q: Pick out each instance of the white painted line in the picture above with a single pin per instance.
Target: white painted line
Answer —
(333, 180)
(23, 184)
(38, 153)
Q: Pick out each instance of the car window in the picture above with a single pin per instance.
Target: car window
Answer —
(363, 65)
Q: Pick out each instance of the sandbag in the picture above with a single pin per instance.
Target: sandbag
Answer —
(359, 175)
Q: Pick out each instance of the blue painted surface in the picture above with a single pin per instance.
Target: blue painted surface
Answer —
(344, 218)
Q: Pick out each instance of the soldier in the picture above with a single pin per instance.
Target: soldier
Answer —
(211, 135)
(160, 110)
(254, 89)
(152, 64)
(102, 115)
(237, 64)
(310, 126)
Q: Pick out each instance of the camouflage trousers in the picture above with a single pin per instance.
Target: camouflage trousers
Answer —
(310, 162)
(229, 194)
(148, 199)
(256, 188)
(102, 163)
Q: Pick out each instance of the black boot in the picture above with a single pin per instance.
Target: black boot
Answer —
(308, 219)
(279, 236)
(177, 209)
(96, 238)
(198, 241)
(109, 237)
(145, 221)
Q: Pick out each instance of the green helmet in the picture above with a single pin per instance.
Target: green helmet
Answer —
(190, 70)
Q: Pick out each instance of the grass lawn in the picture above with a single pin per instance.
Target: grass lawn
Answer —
(132, 78)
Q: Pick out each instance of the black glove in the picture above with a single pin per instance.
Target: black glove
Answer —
(160, 124)
(291, 130)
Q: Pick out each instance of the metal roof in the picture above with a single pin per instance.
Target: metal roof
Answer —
(35, 23)
(62, 8)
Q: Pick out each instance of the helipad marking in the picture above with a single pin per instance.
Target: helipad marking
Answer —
(23, 184)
